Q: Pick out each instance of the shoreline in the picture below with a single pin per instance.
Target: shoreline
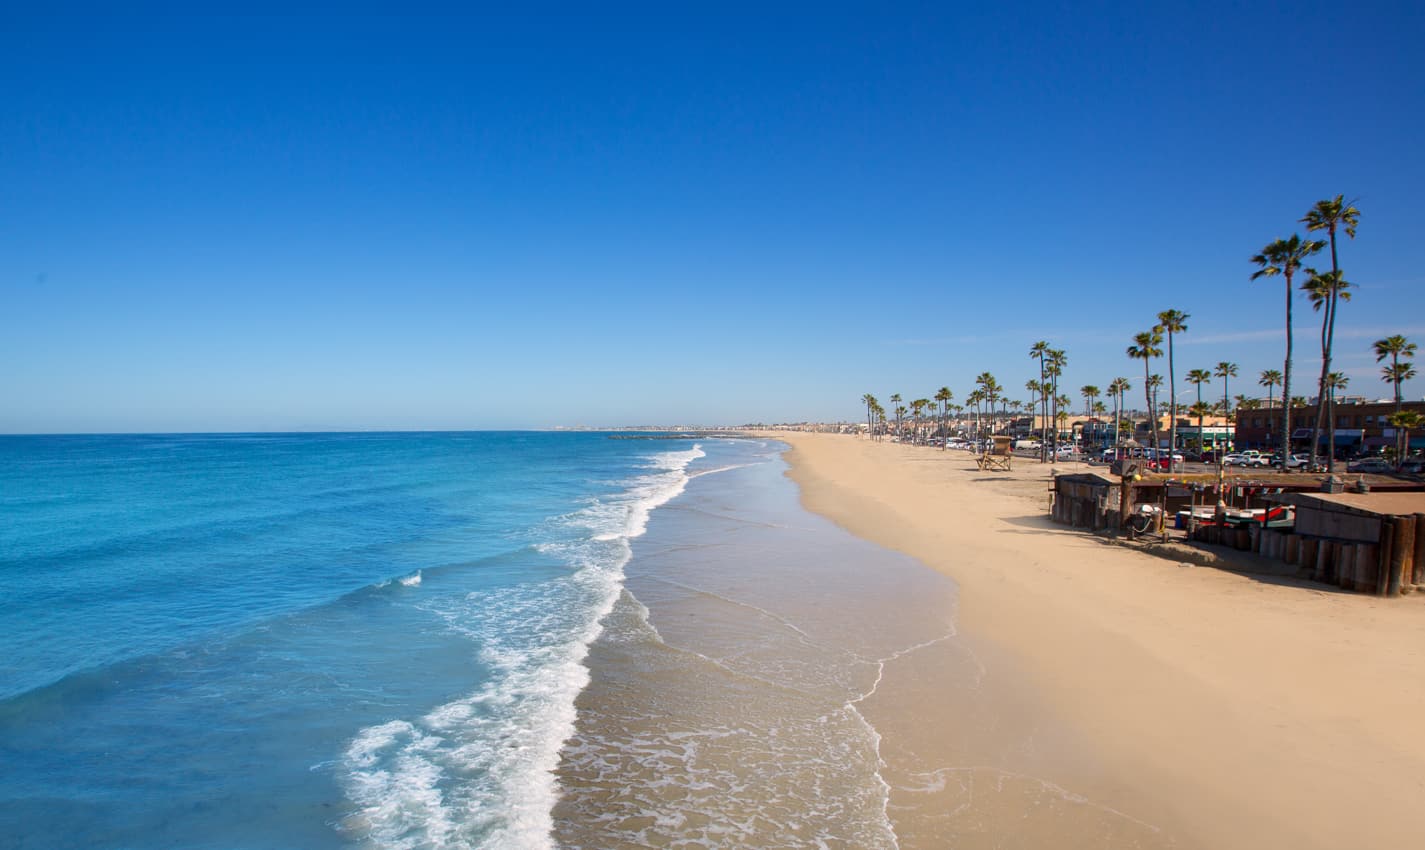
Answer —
(1208, 708)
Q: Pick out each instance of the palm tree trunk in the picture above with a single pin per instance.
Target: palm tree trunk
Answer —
(1330, 338)
(1148, 400)
(1044, 419)
(1172, 403)
(1286, 380)
(1395, 375)
(1268, 420)
(1321, 393)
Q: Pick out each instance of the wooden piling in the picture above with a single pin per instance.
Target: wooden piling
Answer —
(1325, 560)
(1367, 561)
(1256, 534)
(1419, 571)
(1402, 554)
(1306, 557)
(1293, 549)
(1387, 546)
(1346, 565)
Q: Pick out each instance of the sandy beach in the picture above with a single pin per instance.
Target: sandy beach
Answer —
(1120, 699)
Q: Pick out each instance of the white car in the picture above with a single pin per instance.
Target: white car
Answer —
(1377, 465)
(1251, 457)
(1296, 461)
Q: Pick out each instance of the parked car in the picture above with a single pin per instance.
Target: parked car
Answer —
(1412, 465)
(1067, 451)
(1158, 459)
(1251, 457)
(1378, 465)
(1300, 460)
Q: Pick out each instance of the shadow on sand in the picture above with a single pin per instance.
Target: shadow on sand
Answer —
(1186, 554)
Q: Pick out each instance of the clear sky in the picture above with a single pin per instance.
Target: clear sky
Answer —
(354, 219)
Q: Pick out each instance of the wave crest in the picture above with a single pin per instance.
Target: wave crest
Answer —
(479, 771)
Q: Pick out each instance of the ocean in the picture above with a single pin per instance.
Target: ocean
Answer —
(442, 640)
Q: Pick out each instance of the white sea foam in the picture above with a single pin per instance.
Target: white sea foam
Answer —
(412, 580)
(479, 771)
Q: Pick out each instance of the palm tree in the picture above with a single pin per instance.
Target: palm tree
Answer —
(1116, 388)
(1325, 291)
(1034, 388)
(1225, 370)
(1404, 421)
(1200, 410)
(1171, 322)
(1145, 348)
(1089, 392)
(1100, 415)
(1198, 377)
(1271, 379)
(1284, 257)
(1057, 362)
(1334, 381)
(897, 410)
(871, 404)
(1395, 347)
(992, 391)
(943, 395)
(917, 407)
(1331, 215)
(1040, 350)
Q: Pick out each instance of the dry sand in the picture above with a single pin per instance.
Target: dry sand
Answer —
(1121, 699)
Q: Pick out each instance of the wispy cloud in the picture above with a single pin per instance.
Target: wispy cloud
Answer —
(942, 340)
(1014, 335)
(1274, 333)
(1232, 336)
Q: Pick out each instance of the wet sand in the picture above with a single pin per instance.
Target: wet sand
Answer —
(1122, 700)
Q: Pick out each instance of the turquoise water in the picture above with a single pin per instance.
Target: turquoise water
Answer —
(311, 640)
(454, 641)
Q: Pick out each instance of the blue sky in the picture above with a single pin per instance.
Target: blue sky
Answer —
(371, 219)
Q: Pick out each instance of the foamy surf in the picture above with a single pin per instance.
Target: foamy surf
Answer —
(479, 771)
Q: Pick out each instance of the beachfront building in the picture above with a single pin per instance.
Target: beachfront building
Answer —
(1361, 426)
(1217, 432)
(1210, 438)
